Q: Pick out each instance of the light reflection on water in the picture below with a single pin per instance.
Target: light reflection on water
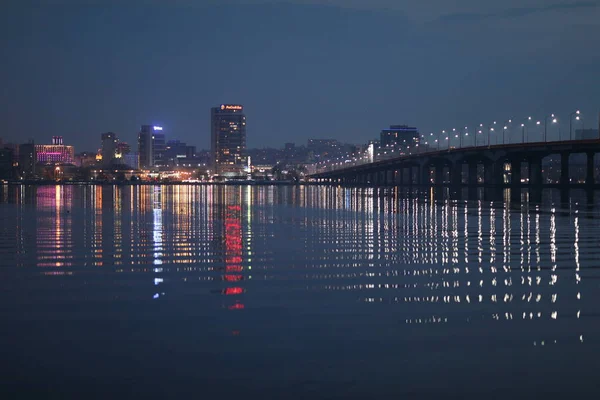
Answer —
(372, 260)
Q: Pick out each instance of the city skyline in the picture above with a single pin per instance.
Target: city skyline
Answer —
(347, 71)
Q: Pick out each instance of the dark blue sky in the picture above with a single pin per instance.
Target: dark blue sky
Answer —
(302, 69)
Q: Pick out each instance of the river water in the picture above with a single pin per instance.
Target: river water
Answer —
(294, 292)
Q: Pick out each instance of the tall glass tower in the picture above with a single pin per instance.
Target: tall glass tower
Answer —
(151, 146)
(228, 140)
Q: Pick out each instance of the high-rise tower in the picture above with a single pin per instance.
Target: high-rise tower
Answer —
(151, 146)
(228, 139)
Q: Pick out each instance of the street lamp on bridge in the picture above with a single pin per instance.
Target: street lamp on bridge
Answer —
(440, 138)
(490, 130)
(524, 129)
(571, 123)
(431, 134)
(506, 123)
(554, 120)
(455, 136)
(480, 131)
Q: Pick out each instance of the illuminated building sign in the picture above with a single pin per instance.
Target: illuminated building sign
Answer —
(158, 128)
(231, 107)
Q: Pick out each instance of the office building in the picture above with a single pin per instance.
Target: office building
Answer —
(159, 149)
(178, 152)
(401, 135)
(109, 147)
(6, 163)
(131, 159)
(123, 149)
(151, 146)
(320, 146)
(55, 153)
(27, 160)
(228, 140)
(85, 159)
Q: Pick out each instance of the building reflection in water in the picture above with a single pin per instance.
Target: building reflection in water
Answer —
(435, 260)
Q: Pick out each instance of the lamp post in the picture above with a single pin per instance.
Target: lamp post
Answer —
(455, 136)
(466, 133)
(431, 139)
(571, 123)
(443, 135)
(479, 132)
(506, 123)
(523, 126)
(546, 125)
(490, 130)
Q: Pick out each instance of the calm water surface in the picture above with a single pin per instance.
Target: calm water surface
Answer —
(294, 292)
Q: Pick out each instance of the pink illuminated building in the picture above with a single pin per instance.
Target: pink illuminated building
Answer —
(55, 152)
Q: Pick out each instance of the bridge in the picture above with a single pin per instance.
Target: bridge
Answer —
(513, 165)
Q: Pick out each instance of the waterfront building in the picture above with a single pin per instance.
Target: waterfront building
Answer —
(6, 163)
(400, 135)
(228, 140)
(109, 147)
(55, 153)
(85, 159)
(27, 160)
(151, 146)
(131, 159)
(178, 152)
(123, 148)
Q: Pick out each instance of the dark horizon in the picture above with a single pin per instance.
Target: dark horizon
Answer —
(301, 69)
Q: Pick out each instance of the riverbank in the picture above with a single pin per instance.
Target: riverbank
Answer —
(152, 183)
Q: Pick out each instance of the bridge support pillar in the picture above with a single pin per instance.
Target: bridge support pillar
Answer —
(456, 174)
(565, 179)
(439, 174)
(515, 181)
(535, 172)
(400, 176)
(515, 173)
(426, 175)
(473, 174)
(494, 173)
(414, 175)
(488, 173)
(389, 177)
(589, 171)
(410, 175)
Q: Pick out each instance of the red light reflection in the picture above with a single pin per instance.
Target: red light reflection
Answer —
(233, 253)
(233, 291)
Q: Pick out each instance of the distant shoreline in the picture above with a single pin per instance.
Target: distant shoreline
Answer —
(99, 183)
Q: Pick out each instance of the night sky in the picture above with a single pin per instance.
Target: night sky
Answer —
(302, 69)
